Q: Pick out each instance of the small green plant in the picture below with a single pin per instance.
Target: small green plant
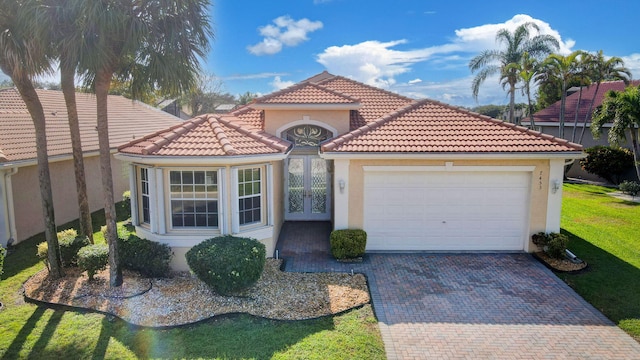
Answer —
(228, 264)
(70, 243)
(631, 188)
(124, 207)
(3, 253)
(93, 258)
(122, 230)
(554, 244)
(348, 243)
(42, 253)
(607, 162)
(149, 258)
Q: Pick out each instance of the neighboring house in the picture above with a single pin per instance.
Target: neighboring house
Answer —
(172, 107)
(547, 120)
(20, 204)
(225, 108)
(415, 175)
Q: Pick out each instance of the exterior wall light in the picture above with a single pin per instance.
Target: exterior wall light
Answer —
(341, 184)
(555, 186)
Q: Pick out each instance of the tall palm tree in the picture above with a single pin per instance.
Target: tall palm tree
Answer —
(155, 43)
(622, 108)
(583, 78)
(600, 70)
(528, 70)
(563, 68)
(61, 24)
(22, 56)
(491, 62)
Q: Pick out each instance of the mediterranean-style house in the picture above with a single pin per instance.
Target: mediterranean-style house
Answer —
(20, 203)
(547, 120)
(416, 175)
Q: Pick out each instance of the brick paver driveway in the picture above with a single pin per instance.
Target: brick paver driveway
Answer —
(474, 306)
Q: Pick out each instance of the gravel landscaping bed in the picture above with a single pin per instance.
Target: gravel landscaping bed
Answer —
(184, 299)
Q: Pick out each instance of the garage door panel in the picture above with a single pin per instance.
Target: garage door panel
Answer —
(446, 210)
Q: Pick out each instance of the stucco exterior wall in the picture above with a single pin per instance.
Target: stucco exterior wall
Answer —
(26, 193)
(276, 119)
(539, 186)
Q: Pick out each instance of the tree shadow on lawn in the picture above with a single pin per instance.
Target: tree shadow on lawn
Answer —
(610, 284)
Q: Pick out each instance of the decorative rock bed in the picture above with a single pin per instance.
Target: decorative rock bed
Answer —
(184, 299)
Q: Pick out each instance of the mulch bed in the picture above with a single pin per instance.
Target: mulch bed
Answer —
(184, 299)
(561, 265)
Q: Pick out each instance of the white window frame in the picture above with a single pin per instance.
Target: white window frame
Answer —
(219, 199)
(266, 210)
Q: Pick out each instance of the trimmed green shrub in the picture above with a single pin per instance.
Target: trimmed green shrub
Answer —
(631, 188)
(42, 253)
(123, 208)
(554, 244)
(149, 258)
(93, 258)
(348, 244)
(608, 162)
(3, 253)
(122, 230)
(70, 244)
(228, 264)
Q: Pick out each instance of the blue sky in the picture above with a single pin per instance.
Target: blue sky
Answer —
(417, 48)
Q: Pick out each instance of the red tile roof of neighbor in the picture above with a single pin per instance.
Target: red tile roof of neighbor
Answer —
(429, 126)
(207, 135)
(551, 113)
(127, 120)
(384, 122)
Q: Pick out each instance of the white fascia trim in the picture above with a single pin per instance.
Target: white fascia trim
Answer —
(450, 167)
(306, 106)
(452, 156)
(52, 159)
(199, 160)
(305, 121)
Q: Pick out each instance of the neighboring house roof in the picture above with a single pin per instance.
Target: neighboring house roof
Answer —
(429, 126)
(206, 135)
(383, 122)
(551, 114)
(127, 120)
(225, 107)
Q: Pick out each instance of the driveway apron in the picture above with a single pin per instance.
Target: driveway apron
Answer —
(476, 306)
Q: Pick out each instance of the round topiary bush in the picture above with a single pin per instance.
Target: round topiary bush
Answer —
(228, 264)
(93, 258)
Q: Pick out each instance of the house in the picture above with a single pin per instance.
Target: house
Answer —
(20, 203)
(225, 108)
(173, 107)
(415, 175)
(547, 120)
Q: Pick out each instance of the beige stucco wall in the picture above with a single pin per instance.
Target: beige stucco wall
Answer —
(26, 193)
(276, 119)
(539, 186)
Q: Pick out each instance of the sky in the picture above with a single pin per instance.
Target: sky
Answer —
(418, 48)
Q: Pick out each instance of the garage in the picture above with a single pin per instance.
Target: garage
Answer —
(422, 209)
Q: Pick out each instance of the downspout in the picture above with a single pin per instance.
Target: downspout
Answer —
(11, 221)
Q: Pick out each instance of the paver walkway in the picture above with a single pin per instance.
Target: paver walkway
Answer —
(467, 306)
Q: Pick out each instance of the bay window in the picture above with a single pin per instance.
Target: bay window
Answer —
(193, 196)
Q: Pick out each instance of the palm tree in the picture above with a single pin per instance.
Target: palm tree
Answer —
(152, 44)
(582, 77)
(491, 62)
(564, 69)
(22, 56)
(528, 70)
(61, 23)
(622, 108)
(601, 70)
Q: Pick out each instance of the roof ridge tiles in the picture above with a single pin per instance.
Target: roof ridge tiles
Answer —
(259, 136)
(365, 85)
(220, 134)
(187, 125)
(302, 85)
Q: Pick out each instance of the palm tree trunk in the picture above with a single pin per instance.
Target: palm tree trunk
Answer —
(532, 122)
(562, 105)
(575, 118)
(67, 83)
(588, 115)
(635, 147)
(30, 97)
(512, 103)
(102, 83)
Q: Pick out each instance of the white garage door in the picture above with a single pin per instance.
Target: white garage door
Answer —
(409, 210)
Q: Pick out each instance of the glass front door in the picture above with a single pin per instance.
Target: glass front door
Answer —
(307, 188)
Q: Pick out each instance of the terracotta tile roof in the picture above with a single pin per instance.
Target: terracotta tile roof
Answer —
(306, 93)
(432, 127)
(252, 117)
(207, 135)
(375, 102)
(552, 112)
(127, 120)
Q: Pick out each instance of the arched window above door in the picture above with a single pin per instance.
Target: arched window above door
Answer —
(307, 135)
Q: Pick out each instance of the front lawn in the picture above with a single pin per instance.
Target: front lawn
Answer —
(605, 232)
(31, 331)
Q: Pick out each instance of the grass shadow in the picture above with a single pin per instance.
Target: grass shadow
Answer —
(21, 338)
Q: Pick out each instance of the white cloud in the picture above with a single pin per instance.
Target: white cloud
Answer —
(414, 81)
(283, 32)
(279, 84)
(379, 63)
(263, 75)
(632, 62)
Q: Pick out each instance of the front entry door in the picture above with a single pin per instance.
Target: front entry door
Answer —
(307, 192)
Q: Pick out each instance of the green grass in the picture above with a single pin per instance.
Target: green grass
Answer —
(605, 232)
(29, 331)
